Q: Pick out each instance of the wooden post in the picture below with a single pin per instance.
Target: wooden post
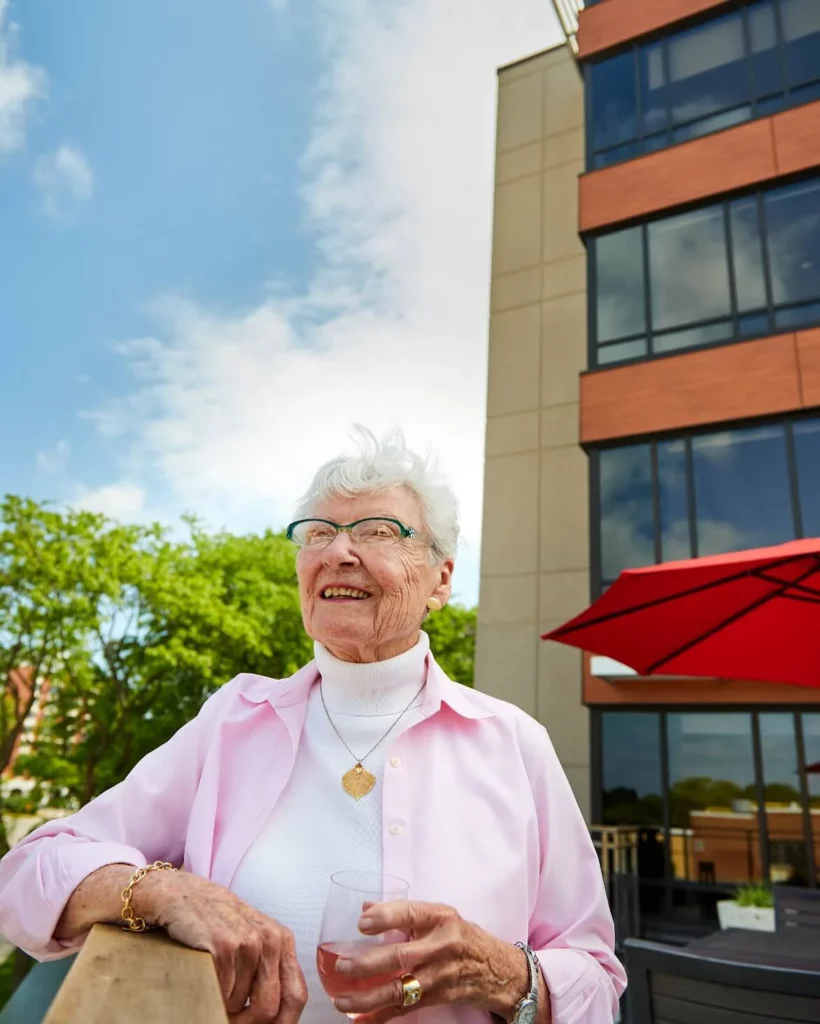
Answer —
(119, 978)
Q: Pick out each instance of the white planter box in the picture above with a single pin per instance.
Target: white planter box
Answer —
(759, 919)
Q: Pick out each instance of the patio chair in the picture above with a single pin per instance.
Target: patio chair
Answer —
(671, 984)
(797, 909)
(35, 993)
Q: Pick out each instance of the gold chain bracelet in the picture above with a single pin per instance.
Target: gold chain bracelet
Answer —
(132, 922)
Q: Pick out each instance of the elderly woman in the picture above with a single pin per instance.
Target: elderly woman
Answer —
(368, 758)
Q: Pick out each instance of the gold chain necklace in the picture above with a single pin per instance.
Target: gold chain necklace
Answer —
(358, 781)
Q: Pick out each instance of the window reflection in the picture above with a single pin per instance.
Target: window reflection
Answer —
(766, 67)
(652, 84)
(807, 457)
(788, 859)
(673, 502)
(747, 254)
(631, 769)
(700, 292)
(712, 799)
(742, 495)
(707, 72)
(704, 79)
(715, 834)
(697, 242)
(801, 35)
(614, 100)
(736, 482)
(626, 509)
(793, 230)
(811, 745)
(620, 285)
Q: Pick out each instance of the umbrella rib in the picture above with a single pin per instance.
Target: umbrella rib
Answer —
(759, 602)
(699, 589)
(806, 593)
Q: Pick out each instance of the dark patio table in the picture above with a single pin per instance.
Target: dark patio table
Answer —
(790, 949)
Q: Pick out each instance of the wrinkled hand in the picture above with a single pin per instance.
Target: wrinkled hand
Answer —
(254, 956)
(453, 961)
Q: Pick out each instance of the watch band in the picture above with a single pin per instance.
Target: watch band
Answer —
(527, 1010)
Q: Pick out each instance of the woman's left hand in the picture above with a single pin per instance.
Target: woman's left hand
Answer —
(453, 961)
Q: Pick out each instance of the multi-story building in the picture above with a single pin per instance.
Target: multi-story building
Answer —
(654, 394)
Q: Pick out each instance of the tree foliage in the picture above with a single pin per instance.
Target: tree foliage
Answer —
(452, 641)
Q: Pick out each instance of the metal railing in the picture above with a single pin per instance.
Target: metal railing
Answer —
(617, 847)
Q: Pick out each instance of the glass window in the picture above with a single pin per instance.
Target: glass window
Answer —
(673, 503)
(707, 70)
(747, 254)
(631, 768)
(742, 495)
(652, 85)
(620, 284)
(689, 274)
(788, 860)
(623, 351)
(811, 746)
(793, 231)
(614, 100)
(807, 457)
(765, 60)
(627, 533)
(749, 63)
(715, 834)
(801, 37)
(693, 337)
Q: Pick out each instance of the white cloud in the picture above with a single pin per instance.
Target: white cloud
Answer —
(233, 412)
(20, 85)
(55, 460)
(66, 181)
(123, 501)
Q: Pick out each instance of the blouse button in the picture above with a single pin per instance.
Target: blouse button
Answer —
(396, 829)
(395, 761)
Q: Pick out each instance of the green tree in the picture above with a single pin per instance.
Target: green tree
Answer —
(179, 620)
(47, 609)
(452, 641)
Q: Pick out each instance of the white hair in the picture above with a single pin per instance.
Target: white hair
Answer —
(380, 465)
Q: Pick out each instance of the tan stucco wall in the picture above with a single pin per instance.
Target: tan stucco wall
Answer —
(535, 547)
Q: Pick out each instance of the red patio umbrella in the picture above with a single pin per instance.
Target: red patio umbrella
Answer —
(748, 615)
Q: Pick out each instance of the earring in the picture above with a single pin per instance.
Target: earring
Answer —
(434, 604)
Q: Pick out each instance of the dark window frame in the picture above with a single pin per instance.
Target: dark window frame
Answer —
(597, 583)
(669, 883)
(770, 311)
(642, 142)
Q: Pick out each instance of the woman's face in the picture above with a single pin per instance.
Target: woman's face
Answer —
(398, 579)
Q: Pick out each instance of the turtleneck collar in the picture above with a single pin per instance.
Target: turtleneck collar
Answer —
(372, 688)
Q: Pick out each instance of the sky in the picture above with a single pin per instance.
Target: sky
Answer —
(232, 229)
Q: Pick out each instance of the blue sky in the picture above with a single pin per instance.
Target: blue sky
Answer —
(231, 230)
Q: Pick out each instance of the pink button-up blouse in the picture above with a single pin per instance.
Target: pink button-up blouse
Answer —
(479, 815)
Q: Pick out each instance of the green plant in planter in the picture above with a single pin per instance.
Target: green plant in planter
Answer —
(755, 894)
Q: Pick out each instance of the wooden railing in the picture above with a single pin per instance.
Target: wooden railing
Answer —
(120, 978)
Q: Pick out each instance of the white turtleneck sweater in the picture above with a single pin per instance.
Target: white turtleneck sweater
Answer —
(316, 829)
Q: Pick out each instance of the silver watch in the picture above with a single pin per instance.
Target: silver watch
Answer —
(527, 1010)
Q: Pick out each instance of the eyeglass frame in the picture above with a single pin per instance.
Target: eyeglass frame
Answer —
(407, 532)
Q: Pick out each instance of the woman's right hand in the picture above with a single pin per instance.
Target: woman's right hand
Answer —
(255, 956)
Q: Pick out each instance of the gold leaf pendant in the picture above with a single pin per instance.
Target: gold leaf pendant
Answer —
(358, 782)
